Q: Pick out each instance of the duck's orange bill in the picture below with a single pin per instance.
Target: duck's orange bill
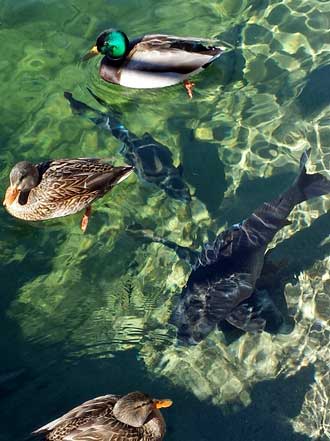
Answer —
(91, 53)
(163, 403)
(10, 196)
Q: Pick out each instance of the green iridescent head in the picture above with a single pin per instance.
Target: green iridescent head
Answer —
(112, 43)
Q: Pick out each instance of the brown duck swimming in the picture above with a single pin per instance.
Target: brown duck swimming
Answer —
(151, 61)
(61, 187)
(132, 417)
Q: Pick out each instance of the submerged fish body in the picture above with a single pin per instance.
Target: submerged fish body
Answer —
(152, 161)
(222, 284)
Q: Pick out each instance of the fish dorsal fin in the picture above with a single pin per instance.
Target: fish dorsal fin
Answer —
(147, 137)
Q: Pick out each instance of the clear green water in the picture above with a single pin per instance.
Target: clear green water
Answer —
(82, 316)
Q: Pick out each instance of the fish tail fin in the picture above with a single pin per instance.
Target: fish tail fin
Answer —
(309, 185)
(261, 227)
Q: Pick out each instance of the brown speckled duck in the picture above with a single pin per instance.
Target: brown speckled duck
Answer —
(152, 61)
(61, 187)
(132, 417)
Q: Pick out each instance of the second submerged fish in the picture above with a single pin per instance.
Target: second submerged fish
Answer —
(222, 284)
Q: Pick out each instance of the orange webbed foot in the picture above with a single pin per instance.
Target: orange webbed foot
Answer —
(85, 219)
(189, 85)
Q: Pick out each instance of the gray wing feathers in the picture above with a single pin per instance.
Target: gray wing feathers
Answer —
(159, 53)
(99, 431)
(167, 61)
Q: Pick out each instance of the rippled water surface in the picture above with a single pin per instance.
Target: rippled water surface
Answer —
(86, 315)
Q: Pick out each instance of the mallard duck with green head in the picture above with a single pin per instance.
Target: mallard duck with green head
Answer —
(60, 187)
(132, 417)
(151, 61)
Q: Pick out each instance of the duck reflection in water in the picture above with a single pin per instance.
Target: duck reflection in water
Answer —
(152, 161)
(222, 284)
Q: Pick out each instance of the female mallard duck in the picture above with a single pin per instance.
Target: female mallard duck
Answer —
(60, 187)
(132, 417)
(151, 61)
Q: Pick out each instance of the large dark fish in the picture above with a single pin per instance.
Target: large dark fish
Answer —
(152, 161)
(222, 284)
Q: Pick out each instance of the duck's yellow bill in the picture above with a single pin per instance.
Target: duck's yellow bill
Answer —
(163, 403)
(10, 196)
(91, 53)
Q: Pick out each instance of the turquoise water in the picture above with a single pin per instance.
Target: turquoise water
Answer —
(86, 315)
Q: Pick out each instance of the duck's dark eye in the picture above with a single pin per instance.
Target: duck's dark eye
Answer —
(146, 403)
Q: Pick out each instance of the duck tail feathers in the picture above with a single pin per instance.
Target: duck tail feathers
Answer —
(217, 52)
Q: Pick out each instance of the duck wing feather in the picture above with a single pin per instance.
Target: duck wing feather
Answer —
(105, 429)
(90, 409)
(166, 53)
(68, 178)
